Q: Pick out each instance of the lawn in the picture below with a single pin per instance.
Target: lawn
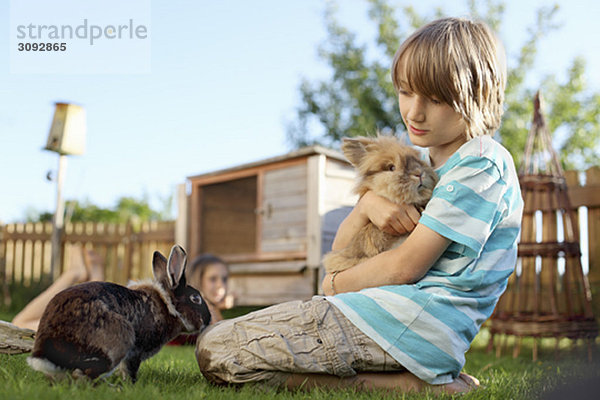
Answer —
(173, 374)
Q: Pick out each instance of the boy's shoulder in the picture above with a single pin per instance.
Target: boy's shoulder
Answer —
(483, 146)
(483, 150)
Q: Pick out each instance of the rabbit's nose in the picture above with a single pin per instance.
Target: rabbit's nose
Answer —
(419, 176)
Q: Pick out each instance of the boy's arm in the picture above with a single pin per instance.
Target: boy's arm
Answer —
(387, 216)
(407, 263)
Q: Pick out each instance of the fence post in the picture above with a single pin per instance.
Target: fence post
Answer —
(181, 223)
(6, 299)
(593, 180)
(127, 259)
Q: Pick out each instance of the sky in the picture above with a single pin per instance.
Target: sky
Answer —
(213, 86)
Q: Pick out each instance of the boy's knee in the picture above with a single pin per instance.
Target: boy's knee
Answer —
(221, 363)
(206, 341)
(203, 353)
(210, 350)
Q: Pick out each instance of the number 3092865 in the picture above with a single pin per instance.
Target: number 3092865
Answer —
(41, 46)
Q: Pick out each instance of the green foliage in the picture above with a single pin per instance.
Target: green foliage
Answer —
(125, 209)
(575, 113)
(359, 98)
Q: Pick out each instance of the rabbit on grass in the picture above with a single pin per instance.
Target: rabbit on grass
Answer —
(90, 329)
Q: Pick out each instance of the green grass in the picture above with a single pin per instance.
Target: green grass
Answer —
(173, 374)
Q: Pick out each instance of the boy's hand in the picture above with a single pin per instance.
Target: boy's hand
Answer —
(389, 217)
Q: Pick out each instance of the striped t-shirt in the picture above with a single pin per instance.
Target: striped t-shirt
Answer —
(428, 326)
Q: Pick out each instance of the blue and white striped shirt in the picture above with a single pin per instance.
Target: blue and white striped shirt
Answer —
(428, 326)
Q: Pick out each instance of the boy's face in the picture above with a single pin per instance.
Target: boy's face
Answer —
(431, 123)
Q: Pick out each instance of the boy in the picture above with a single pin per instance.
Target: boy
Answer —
(413, 311)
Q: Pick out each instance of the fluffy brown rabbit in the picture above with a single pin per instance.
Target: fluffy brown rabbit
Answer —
(391, 170)
(90, 329)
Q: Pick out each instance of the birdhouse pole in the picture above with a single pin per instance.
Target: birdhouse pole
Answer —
(67, 136)
(59, 217)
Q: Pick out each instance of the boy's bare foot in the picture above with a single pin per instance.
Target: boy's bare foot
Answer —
(76, 268)
(93, 265)
(464, 383)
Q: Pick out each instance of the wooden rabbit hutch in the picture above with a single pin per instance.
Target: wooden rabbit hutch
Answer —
(272, 221)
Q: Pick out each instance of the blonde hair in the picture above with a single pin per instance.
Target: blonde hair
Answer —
(459, 62)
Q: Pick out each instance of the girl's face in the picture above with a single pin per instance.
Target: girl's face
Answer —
(214, 283)
(432, 124)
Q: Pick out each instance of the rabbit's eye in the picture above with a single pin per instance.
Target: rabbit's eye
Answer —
(196, 299)
(391, 167)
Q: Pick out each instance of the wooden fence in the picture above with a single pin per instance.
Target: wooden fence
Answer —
(25, 249)
(588, 195)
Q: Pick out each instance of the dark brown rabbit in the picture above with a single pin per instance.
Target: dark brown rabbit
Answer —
(391, 170)
(92, 328)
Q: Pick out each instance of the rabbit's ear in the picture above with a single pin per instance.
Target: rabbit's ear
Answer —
(176, 266)
(159, 268)
(355, 149)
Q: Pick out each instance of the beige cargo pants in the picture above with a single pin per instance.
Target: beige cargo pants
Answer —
(296, 337)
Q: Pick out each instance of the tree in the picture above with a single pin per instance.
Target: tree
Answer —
(126, 209)
(359, 97)
(574, 114)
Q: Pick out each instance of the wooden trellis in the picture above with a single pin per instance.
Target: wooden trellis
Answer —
(548, 296)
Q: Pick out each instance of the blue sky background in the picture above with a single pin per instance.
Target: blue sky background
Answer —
(224, 80)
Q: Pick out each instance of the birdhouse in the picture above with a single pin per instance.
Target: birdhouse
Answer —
(67, 133)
